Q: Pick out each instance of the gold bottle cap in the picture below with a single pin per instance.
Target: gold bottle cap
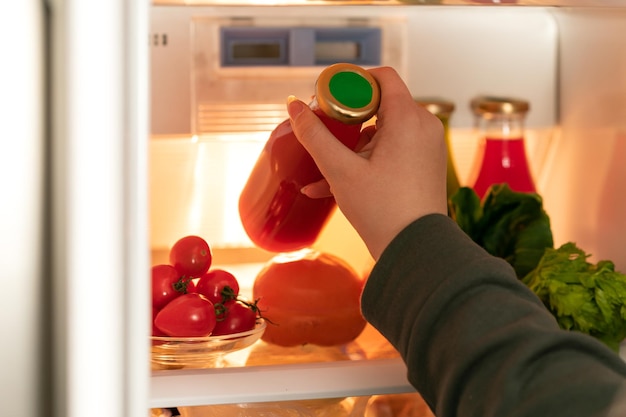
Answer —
(438, 106)
(499, 105)
(347, 93)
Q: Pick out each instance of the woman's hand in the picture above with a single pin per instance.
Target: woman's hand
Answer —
(398, 173)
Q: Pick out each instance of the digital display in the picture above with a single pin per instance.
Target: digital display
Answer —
(245, 50)
(337, 50)
(299, 46)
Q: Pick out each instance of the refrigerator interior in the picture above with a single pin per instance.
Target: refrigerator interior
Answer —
(568, 62)
(199, 163)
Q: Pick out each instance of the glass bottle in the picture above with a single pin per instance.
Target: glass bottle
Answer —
(501, 156)
(275, 214)
(443, 110)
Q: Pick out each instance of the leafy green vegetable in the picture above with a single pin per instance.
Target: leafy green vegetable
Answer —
(582, 296)
(508, 224)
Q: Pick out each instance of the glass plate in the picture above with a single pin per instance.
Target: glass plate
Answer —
(200, 352)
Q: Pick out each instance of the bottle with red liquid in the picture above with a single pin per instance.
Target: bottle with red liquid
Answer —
(274, 213)
(501, 156)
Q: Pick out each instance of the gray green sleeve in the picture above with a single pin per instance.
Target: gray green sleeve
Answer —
(478, 342)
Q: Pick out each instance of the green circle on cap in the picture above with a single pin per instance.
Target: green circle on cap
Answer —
(351, 89)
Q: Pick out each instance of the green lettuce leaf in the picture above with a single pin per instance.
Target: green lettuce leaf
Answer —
(508, 224)
(582, 296)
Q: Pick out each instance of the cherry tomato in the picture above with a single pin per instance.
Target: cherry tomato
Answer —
(155, 330)
(191, 256)
(309, 297)
(167, 284)
(190, 315)
(218, 286)
(236, 318)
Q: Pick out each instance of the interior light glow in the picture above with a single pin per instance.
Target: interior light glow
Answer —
(221, 166)
(238, 157)
(196, 203)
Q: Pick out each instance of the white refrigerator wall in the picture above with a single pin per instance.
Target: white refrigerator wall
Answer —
(585, 184)
(451, 51)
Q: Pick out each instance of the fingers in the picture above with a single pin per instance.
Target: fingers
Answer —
(329, 154)
(395, 98)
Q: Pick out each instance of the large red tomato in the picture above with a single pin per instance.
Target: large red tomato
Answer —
(309, 297)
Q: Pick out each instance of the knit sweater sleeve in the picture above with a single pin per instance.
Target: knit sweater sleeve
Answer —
(477, 341)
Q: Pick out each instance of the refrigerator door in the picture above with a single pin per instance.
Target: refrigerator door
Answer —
(22, 260)
(98, 110)
(541, 53)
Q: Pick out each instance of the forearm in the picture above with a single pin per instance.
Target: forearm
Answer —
(476, 341)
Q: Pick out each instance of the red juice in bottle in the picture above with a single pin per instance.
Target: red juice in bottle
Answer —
(501, 156)
(504, 161)
(274, 213)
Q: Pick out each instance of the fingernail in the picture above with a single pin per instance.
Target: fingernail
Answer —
(294, 106)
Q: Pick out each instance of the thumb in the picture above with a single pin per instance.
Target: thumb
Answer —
(327, 151)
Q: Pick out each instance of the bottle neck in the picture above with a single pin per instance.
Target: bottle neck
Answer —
(499, 126)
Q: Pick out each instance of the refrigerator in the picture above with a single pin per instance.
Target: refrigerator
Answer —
(126, 127)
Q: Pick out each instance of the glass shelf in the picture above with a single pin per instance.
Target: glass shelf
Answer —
(192, 387)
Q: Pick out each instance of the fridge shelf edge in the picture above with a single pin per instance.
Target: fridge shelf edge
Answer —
(278, 383)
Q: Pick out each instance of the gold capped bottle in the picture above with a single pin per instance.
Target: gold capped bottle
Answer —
(443, 109)
(501, 156)
(274, 213)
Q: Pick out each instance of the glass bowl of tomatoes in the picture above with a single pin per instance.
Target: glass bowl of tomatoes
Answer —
(200, 352)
